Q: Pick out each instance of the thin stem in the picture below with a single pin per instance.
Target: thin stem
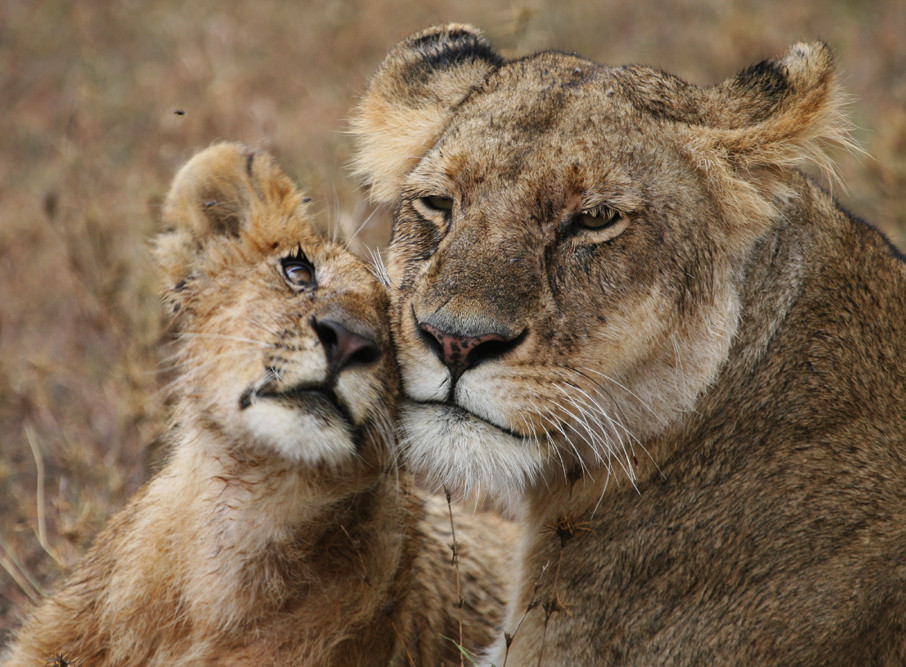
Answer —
(455, 549)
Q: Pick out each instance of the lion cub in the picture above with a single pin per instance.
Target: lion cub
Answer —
(280, 531)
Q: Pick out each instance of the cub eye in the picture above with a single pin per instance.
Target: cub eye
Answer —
(436, 203)
(298, 271)
(600, 217)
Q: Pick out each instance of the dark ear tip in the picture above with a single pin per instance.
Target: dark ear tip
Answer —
(808, 60)
(818, 51)
(804, 67)
(444, 45)
(447, 33)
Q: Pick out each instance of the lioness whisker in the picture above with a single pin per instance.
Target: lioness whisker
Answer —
(362, 226)
(602, 434)
(558, 424)
(582, 415)
(377, 266)
(628, 391)
(615, 432)
(551, 446)
(613, 405)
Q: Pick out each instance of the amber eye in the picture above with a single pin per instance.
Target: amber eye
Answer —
(436, 203)
(298, 271)
(600, 217)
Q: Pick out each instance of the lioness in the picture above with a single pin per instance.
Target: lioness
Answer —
(617, 301)
(280, 532)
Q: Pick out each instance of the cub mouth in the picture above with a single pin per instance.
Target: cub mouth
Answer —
(311, 398)
(459, 413)
(301, 394)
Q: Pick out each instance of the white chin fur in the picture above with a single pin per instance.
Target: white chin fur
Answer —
(465, 454)
(300, 437)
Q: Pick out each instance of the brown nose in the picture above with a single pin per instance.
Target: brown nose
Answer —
(343, 347)
(459, 353)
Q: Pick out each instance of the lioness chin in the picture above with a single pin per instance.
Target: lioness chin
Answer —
(618, 303)
(280, 532)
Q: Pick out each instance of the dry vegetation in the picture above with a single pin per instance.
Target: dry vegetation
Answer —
(101, 101)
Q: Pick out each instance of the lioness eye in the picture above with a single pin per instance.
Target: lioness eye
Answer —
(437, 203)
(599, 217)
(298, 272)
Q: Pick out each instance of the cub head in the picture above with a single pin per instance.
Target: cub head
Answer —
(283, 339)
(568, 242)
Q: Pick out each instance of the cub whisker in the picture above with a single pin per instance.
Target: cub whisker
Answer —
(224, 337)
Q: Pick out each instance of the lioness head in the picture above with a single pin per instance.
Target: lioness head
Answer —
(569, 242)
(283, 337)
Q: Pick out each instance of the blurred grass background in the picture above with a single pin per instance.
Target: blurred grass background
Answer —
(90, 135)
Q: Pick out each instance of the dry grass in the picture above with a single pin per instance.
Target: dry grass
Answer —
(90, 137)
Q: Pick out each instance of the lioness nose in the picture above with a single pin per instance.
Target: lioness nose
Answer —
(343, 347)
(459, 353)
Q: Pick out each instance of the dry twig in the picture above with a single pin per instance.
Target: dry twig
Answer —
(455, 562)
(42, 522)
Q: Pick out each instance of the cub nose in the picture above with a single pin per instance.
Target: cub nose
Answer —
(343, 347)
(459, 353)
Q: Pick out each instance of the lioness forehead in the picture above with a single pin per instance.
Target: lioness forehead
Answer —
(548, 73)
(551, 118)
(543, 95)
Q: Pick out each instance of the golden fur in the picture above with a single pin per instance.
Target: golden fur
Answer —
(619, 305)
(279, 532)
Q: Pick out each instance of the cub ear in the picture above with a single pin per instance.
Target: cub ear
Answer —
(224, 192)
(409, 100)
(772, 117)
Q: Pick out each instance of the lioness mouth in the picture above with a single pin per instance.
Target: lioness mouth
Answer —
(459, 413)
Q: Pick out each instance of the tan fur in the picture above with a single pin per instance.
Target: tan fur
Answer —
(619, 305)
(279, 533)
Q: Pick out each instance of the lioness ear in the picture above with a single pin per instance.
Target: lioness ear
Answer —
(224, 192)
(410, 98)
(771, 117)
(782, 111)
